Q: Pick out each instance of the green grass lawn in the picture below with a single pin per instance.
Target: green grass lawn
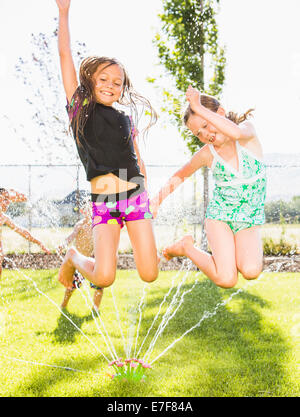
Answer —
(250, 347)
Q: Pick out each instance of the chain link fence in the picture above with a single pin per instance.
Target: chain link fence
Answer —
(56, 192)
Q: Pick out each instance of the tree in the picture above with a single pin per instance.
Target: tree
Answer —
(188, 49)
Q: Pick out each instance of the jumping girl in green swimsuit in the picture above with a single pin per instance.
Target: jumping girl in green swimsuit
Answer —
(234, 214)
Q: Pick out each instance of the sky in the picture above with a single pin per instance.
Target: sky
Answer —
(263, 64)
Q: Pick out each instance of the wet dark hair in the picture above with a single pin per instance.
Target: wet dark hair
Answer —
(83, 101)
(3, 190)
(213, 104)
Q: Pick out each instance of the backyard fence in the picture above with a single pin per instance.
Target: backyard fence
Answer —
(56, 192)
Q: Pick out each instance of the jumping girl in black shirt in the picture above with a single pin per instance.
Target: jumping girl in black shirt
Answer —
(105, 140)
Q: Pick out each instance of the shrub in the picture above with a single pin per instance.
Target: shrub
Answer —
(278, 248)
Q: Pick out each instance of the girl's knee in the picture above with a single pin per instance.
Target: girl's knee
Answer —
(104, 279)
(226, 280)
(149, 276)
(251, 271)
(72, 254)
(105, 272)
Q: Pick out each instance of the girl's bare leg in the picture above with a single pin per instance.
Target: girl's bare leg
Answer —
(97, 298)
(249, 252)
(100, 270)
(220, 267)
(144, 248)
(67, 296)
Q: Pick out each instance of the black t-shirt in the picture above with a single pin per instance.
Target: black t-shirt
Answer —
(107, 144)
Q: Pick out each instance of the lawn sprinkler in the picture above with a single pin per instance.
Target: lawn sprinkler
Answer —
(129, 369)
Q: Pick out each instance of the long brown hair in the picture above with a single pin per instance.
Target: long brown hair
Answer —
(84, 100)
(213, 104)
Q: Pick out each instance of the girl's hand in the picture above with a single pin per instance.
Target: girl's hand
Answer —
(193, 97)
(60, 249)
(45, 249)
(63, 5)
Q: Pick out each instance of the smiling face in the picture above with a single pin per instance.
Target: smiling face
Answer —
(205, 131)
(108, 83)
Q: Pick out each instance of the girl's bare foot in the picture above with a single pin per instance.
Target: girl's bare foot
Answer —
(66, 270)
(178, 248)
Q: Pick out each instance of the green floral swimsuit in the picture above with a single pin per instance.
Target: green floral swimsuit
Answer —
(239, 195)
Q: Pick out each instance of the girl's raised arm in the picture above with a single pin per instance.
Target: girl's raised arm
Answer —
(16, 197)
(244, 131)
(68, 71)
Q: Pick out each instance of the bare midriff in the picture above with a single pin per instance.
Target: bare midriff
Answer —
(110, 184)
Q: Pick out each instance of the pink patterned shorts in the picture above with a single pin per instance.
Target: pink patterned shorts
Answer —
(117, 210)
